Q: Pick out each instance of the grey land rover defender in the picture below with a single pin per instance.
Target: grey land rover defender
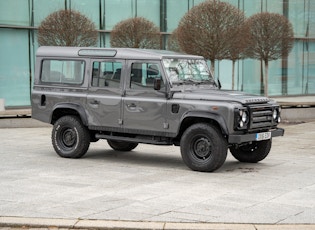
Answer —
(131, 96)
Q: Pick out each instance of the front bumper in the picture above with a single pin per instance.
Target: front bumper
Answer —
(241, 138)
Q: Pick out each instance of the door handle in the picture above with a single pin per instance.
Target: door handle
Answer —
(134, 108)
(94, 102)
(131, 106)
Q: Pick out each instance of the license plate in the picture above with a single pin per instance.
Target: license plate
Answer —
(263, 136)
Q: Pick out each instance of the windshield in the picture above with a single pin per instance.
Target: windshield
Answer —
(180, 71)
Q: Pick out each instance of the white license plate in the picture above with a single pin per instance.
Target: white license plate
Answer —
(263, 136)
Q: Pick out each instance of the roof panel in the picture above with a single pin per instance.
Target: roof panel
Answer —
(123, 53)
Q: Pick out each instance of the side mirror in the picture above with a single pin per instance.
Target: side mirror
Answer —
(157, 83)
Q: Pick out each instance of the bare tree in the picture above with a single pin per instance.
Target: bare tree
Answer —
(271, 37)
(205, 29)
(239, 38)
(67, 28)
(172, 42)
(135, 33)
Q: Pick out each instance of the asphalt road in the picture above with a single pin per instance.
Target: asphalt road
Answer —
(151, 184)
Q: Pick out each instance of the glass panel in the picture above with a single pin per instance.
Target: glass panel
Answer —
(143, 75)
(116, 11)
(89, 8)
(301, 71)
(275, 77)
(251, 76)
(273, 6)
(149, 10)
(174, 13)
(62, 71)
(252, 7)
(42, 8)
(184, 71)
(311, 18)
(302, 16)
(14, 66)
(106, 74)
(14, 12)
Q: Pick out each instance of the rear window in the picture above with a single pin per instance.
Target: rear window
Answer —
(63, 71)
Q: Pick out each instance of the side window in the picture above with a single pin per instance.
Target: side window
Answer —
(106, 74)
(143, 75)
(62, 71)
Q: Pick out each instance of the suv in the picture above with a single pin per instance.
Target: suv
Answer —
(130, 96)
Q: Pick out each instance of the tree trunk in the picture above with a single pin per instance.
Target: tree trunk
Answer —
(233, 75)
(212, 67)
(262, 87)
(266, 78)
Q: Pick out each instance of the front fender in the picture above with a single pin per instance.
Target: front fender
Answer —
(207, 115)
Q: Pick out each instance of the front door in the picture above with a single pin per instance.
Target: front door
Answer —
(144, 108)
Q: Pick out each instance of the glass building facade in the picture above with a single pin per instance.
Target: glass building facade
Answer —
(19, 20)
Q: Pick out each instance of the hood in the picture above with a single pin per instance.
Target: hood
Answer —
(220, 95)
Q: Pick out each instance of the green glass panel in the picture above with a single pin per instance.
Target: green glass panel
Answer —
(14, 66)
(14, 12)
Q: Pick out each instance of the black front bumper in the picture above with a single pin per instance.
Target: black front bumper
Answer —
(241, 138)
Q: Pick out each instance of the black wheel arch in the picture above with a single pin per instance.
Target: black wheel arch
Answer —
(63, 109)
(194, 117)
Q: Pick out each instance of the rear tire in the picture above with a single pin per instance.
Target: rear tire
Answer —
(70, 138)
(203, 148)
(252, 153)
(122, 145)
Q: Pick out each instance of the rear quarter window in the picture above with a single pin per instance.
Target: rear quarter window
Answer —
(63, 71)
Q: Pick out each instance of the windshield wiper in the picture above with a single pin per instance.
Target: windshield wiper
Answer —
(181, 82)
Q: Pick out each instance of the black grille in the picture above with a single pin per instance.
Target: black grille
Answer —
(260, 117)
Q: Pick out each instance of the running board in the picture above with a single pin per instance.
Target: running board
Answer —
(145, 140)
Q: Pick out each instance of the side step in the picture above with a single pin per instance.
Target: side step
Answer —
(137, 139)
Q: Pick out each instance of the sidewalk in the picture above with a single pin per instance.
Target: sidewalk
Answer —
(151, 188)
(65, 224)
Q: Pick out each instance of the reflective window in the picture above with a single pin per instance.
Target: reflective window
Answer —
(106, 74)
(14, 67)
(143, 75)
(62, 71)
(188, 71)
(42, 8)
(14, 12)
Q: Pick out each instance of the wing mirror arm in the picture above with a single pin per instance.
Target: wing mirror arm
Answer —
(219, 84)
(157, 83)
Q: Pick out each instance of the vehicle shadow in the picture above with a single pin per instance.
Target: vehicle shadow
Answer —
(164, 160)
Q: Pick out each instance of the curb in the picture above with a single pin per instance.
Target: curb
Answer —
(25, 222)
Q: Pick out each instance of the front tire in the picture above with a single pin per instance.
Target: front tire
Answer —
(203, 148)
(70, 138)
(252, 153)
(123, 146)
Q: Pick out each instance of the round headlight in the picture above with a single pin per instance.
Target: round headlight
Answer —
(275, 114)
(244, 117)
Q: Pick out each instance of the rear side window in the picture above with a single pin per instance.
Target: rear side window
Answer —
(106, 74)
(62, 71)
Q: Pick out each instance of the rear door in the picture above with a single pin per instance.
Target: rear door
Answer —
(104, 97)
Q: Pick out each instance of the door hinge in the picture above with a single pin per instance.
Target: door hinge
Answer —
(165, 125)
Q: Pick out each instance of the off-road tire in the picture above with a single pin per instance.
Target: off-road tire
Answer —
(252, 153)
(70, 138)
(203, 147)
(122, 145)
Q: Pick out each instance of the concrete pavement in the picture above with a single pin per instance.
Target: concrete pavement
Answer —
(151, 188)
